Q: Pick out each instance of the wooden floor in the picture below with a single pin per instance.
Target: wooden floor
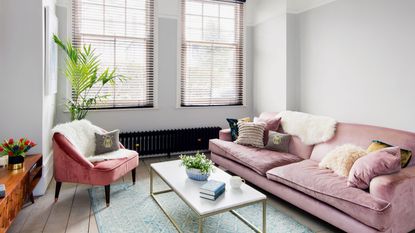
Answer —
(73, 213)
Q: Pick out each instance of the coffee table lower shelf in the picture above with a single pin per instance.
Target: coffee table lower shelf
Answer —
(202, 217)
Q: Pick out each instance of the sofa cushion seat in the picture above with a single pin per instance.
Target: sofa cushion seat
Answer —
(112, 164)
(106, 172)
(259, 160)
(326, 186)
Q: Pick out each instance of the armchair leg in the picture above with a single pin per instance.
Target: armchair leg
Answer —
(57, 190)
(32, 199)
(133, 174)
(107, 195)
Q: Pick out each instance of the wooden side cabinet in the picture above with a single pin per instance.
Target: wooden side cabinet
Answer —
(19, 187)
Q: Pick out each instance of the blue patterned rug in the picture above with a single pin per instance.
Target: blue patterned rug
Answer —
(133, 210)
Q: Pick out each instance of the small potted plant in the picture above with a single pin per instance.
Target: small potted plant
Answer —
(16, 150)
(198, 167)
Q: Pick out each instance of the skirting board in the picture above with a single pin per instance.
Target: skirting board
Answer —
(47, 174)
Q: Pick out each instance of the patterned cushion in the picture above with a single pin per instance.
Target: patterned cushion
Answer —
(406, 155)
(251, 134)
(278, 142)
(233, 125)
(107, 142)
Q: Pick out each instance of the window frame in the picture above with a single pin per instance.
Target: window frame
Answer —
(155, 104)
(180, 32)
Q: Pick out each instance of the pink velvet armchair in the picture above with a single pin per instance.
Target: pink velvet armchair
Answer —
(71, 166)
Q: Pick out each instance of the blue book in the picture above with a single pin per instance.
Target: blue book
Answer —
(212, 198)
(212, 187)
(213, 194)
(2, 191)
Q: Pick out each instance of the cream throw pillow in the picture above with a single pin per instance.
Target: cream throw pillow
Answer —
(342, 158)
(251, 134)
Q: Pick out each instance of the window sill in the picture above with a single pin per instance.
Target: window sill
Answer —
(212, 107)
(119, 109)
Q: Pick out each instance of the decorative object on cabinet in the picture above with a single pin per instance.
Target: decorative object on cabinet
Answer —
(16, 151)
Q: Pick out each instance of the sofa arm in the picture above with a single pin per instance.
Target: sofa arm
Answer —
(395, 186)
(399, 190)
(70, 150)
(225, 135)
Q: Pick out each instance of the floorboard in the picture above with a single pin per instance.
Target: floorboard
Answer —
(80, 212)
(73, 213)
(40, 212)
(59, 216)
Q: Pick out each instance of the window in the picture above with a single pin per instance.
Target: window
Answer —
(122, 33)
(212, 53)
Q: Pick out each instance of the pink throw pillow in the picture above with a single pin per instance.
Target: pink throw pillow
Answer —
(381, 162)
(271, 123)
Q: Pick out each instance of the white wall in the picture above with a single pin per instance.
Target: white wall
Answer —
(270, 56)
(166, 115)
(30, 112)
(270, 65)
(357, 62)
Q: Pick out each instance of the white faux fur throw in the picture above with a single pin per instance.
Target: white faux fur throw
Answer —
(118, 154)
(309, 128)
(342, 158)
(82, 135)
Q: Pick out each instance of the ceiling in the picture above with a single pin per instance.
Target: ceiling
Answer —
(298, 6)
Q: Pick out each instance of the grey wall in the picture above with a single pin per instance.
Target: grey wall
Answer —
(28, 112)
(357, 62)
(293, 63)
(167, 115)
(21, 70)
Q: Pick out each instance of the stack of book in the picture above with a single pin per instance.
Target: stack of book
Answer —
(212, 189)
(2, 190)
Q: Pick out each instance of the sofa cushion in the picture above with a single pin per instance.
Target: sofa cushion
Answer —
(406, 155)
(296, 147)
(106, 172)
(114, 163)
(278, 142)
(107, 142)
(251, 134)
(381, 162)
(341, 159)
(259, 160)
(324, 185)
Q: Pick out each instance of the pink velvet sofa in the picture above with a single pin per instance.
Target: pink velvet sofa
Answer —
(388, 205)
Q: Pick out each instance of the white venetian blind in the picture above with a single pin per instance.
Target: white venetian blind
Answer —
(122, 34)
(212, 56)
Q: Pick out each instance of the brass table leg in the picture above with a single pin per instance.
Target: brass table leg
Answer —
(264, 216)
(151, 180)
(202, 217)
(200, 225)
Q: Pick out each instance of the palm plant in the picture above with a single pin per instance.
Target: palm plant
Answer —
(82, 66)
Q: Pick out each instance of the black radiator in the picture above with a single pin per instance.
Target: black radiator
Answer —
(169, 141)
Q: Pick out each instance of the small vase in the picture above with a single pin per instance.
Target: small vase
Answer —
(196, 174)
(15, 162)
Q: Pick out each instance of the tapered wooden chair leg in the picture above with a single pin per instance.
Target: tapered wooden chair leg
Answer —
(133, 172)
(107, 195)
(57, 190)
(32, 198)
